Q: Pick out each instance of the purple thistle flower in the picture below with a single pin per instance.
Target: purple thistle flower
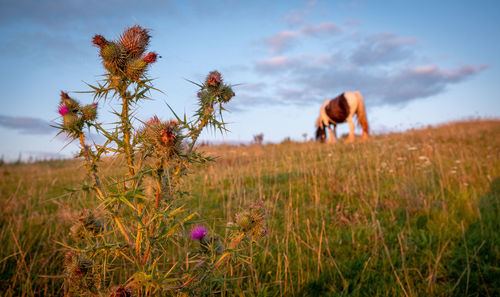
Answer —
(198, 232)
(63, 110)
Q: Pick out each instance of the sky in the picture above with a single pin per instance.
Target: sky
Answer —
(417, 63)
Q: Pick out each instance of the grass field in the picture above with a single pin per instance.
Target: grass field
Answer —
(407, 214)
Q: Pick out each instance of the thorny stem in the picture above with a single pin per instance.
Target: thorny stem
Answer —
(90, 168)
(197, 134)
(126, 134)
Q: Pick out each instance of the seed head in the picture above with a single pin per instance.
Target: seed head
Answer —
(198, 232)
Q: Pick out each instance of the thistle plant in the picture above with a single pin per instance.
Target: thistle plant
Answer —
(132, 243)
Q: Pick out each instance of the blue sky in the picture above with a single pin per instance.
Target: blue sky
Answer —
(416, 63)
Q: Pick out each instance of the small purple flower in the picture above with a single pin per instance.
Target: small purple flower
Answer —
(198, 232)
(63, 110)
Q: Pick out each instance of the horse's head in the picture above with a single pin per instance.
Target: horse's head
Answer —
(321, 133)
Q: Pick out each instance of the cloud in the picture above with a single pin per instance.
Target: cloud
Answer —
(286, 40)
(326, 28)
(425, 81)
(383, 48)
(276, 64)
(316, 78)
(26, 125)
(384, 67)
(282, 41)
(296, 16)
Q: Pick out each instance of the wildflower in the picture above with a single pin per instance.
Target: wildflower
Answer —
(71, 104)
(198, 232)
(63, 109)
(214, 79)
(150, 57)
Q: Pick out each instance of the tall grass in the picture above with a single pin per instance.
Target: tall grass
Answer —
(410, 214)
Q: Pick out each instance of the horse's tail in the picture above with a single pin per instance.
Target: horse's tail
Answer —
(361, 113)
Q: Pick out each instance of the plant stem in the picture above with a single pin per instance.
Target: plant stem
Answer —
(126, 134)
(90, 168)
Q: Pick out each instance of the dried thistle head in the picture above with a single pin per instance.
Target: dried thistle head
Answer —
(121, 291)
(91, 224)
(135, 40)
(162, 137)
(87, 224)
(77, 266)
(253, 220)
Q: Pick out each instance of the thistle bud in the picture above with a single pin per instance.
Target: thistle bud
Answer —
(150, 57)
(244, 221)
(71, 104)
(72, 122)
(111, 52)
(89, 112)
(226, 94)
(99, 41)
(135, 69)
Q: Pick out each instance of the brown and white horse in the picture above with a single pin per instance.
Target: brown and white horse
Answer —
(340, 110)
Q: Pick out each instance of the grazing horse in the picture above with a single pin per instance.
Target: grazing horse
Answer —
(339, 110)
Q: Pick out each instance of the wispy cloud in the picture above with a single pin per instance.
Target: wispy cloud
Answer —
(26, 125)
(326, 28)
(282, 41)
(286, 40)
(383, 48)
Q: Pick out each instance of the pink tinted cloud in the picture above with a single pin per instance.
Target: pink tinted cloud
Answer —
(326, 28)
(282, 41)
(287, 39)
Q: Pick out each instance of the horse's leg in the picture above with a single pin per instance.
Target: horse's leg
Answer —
(332, 138)
(351, 137)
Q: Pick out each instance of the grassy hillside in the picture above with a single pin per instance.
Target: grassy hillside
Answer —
(410, 214)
